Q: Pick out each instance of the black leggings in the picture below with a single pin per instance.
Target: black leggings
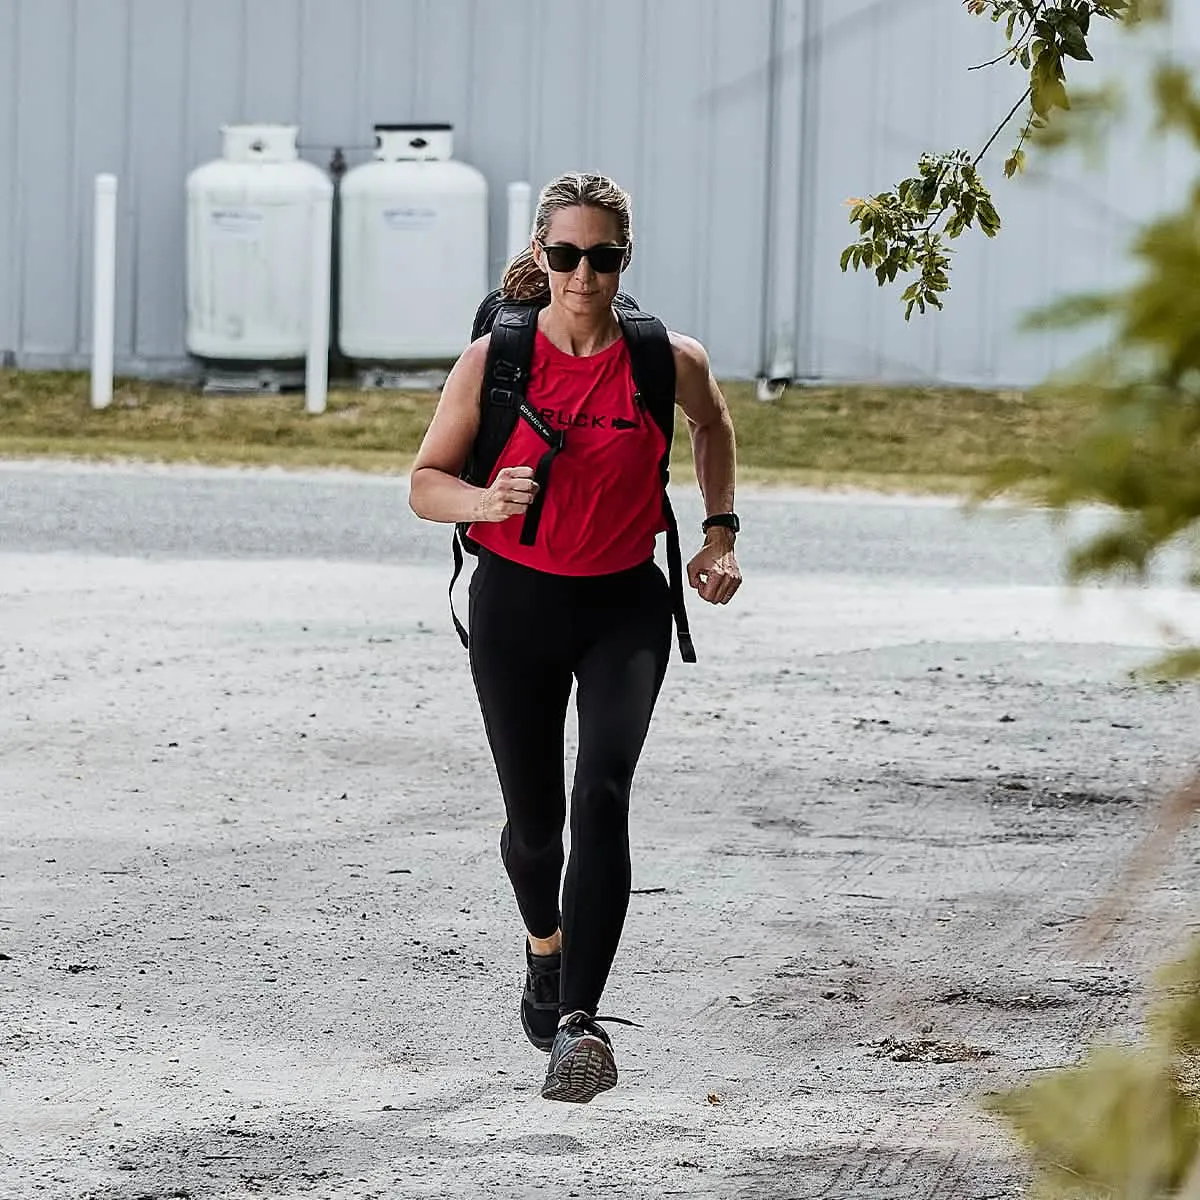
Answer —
(530, 633)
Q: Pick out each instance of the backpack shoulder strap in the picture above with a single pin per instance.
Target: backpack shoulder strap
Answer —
(652, 359)
(653, 362)
(501, 398)
(505, 377)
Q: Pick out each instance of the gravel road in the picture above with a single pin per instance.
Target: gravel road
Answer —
(257, 941)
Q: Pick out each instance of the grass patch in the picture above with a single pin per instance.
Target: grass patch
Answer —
(927, 439)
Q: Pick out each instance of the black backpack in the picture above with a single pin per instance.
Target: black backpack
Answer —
(502, 403)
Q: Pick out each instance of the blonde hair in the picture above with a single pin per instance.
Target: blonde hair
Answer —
(524, 279)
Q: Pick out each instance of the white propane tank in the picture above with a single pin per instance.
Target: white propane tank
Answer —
(414, 253)
(249, 254)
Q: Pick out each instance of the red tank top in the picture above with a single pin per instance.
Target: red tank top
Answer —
(604, 502)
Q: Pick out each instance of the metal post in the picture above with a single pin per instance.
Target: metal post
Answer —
(788, 64)
(316, 383)
(104, 290)
(520, 217)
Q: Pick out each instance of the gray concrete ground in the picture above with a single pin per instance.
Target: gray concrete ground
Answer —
(256, 936)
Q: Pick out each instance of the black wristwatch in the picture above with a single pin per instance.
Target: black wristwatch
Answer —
(727, 520)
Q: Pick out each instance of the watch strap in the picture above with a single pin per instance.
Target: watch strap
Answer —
(727, 520)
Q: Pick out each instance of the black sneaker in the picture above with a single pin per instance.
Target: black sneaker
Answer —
(581, 1062)
(539, 1001)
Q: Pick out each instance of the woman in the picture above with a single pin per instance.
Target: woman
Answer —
(585, 602)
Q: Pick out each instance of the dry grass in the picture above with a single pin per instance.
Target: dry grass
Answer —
(892, 438)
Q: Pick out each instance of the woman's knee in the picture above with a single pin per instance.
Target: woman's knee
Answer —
(600, 803)
(530, 850)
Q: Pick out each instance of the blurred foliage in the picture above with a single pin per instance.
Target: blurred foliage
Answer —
(1124, 1124)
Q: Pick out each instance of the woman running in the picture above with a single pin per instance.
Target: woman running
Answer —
(581, 601)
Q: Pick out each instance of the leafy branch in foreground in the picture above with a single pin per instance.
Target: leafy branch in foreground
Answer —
(899, 230)
(1124, 1124)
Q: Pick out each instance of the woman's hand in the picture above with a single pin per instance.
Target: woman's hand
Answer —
(714, 572)
(510, 495)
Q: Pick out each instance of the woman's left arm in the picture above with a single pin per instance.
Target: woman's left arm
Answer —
(714, 572)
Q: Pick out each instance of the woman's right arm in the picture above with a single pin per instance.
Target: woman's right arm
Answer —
(435, 491)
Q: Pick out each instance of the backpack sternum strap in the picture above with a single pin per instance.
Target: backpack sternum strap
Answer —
(555, 441)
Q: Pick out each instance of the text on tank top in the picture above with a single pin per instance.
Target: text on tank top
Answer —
(604, 500)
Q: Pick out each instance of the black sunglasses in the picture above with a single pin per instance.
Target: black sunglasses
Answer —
(604, 260)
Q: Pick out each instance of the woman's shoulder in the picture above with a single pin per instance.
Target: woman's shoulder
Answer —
(473, 360)
(691, 358)
(469, 368)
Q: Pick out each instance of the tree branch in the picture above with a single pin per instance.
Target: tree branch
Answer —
(1010, 53)
(902, 230)
(1003, 125)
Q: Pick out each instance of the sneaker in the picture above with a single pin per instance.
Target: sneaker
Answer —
(581, 1061)
(539, 1001)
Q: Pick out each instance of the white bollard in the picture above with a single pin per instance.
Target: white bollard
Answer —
(316, 384)
(520, 217)
(104, 290)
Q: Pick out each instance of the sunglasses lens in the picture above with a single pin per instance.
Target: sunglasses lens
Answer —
(606, 260)
(563, 258)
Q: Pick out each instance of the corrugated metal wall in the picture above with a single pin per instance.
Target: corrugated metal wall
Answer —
(740, 126)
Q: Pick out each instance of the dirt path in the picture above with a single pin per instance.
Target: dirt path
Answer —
(259, 943)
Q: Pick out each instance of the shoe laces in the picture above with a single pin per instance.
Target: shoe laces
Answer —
(585, 1019)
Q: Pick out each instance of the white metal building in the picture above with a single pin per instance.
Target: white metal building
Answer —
(740, 126)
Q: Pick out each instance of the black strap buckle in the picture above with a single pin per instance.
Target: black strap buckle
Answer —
(506, 372)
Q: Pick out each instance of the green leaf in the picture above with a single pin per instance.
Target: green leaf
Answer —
(1047, 88)
(1118, 1123)
(989, 218)
(1075, 46)
(1014, 164)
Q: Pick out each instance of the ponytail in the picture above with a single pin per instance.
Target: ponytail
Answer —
(524, 279)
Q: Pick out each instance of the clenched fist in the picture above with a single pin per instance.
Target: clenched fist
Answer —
(510, 495)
